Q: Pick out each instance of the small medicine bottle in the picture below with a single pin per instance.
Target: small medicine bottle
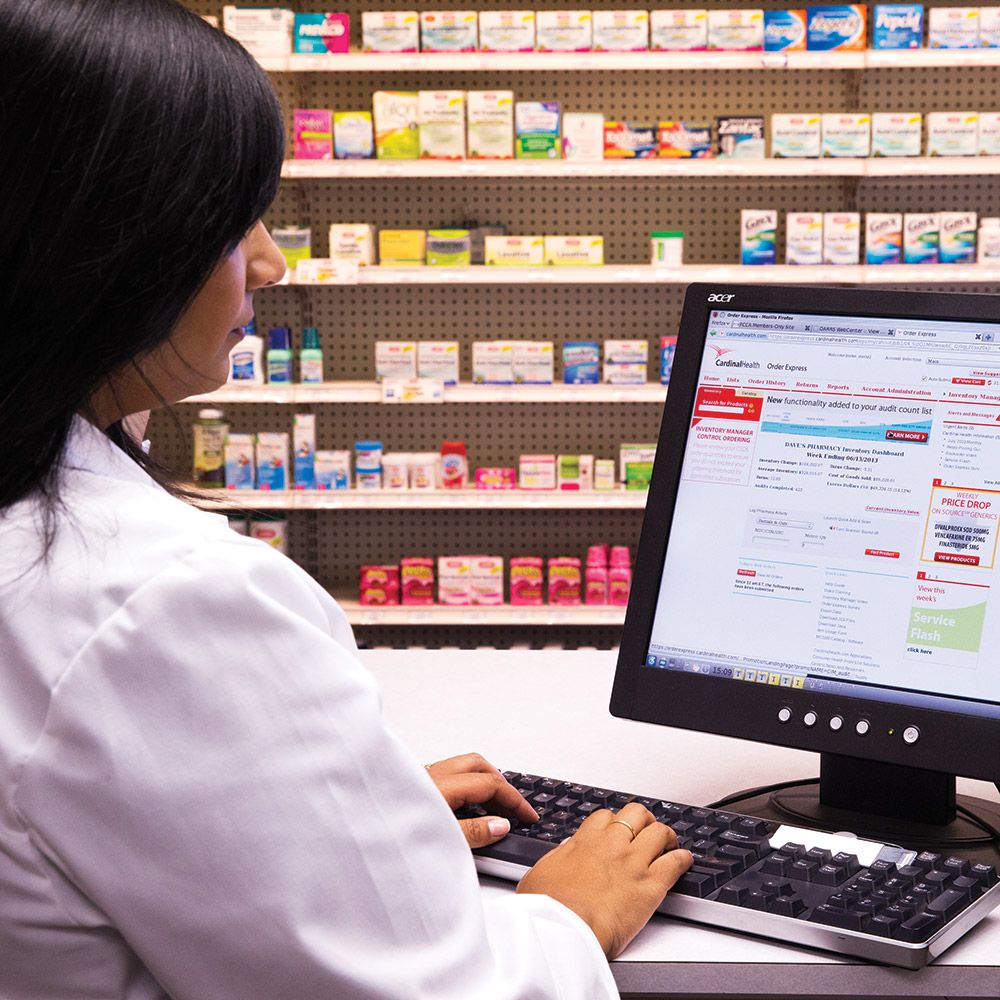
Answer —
(279, 354)
(667, 248)
(311, 356)
(209, 432)
(246, 359)
(454, 465)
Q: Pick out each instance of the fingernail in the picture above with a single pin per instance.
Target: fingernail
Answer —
(498, 827)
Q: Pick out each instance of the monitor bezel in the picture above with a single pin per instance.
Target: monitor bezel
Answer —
(951, 742)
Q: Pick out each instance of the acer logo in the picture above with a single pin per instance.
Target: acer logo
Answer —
(717, 297)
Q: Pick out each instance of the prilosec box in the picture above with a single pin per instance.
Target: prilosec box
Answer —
(883, 238)
(515, 251)
(840, 27)
(262, 31)
(536, 130)
(989, 133)
(506, 31)
(390, 31)
(317, 34)
(353, 135)
(438, 359)
(758, 235)
(620, 30)
(921, 238)
(841, 237)
(574, 251)
(796, 135)
(493, 362)
(441, 117)
(958, 238)
(491, 124)
(847, 135)
(397, 132)
(448, 31)
(352, 242)
(897, 134)
(736, 30)
(583, 136)
(804, 238)
(953, 28)
(952, 133)
(989, 27)
(784, 30)
(678, 30)
(563, 31)
(898, 26)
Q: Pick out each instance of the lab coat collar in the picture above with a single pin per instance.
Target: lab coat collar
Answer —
(89, 449)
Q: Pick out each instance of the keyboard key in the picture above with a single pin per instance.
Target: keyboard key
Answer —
(927, 861)
(673, 811)
(586, 808)
(956, 866)
(950, 903)
(696, 881)
(870, 906)
(619, 799)
(754, 827)
(967, 884)
(897, 884)
(796, 851)
(699, 816)
(650, 804)
(777, 864)
(757, 900)
(886, 896)
(830, 875)
(578, 791)
(734, 895)
(884, 926)
(911, 872)
(567, 802)
(739, 839)
(819, 855)
(743, 854)
(788, 906)
(725, 821)
(706, 832)
(899, 911)
(542, 798)
(848, 861)
(920, 927)
(940, 880)
(803, 870)
(850, 920)
(728, 867)
(985, 875)
(869, 882)
(883, 868)
(841, 901)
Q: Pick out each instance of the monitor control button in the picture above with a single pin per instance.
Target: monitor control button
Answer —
(911, 734)
(784, 714)
(862, 727)
(810, 719)
(837, 723)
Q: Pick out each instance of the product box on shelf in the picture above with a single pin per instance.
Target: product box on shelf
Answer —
(537, 130)
(604, 474)
(390, 31)
(515, 251)
(952, 133)
(921, 238)
(352, 242)
(804, 238)
(668, 347)
(563, 31)
(620, 30)
(491, 124)
(533, 362)
(526, 580)
(758, 236)
(784, 30)
(736, 30)
(989, 27)
(272, 460)
(449, 248)
(564, 580)
(625, 373)
(574, 251)
(583, 136)
(441, 120)
(416, 580)
(624, 140)
(395, 359)
(678, 30)
(536, 472)
(238, 456)
(988, 241)
(489, 477)
(989, 133)
(841, 237)
(898, 26)
(741, 137)
(332, 470)
(313, 134)
(574, 473)
(633, 460)
(953, 28)
(438, 359)
(493, 362)
(424, 470)
(397, 130)
(837, 27)
(353, 135)
(449, 31)
(487, 580)
(455, 580)
(958, 238)
(581, 362)
(506, 31)
(796, 135)
(304, 450)
(263, 31)
(318, 34)
(685, 140)
(379, 585)
(402, 247)
(883, 238)
(897, 134)
(848, 135)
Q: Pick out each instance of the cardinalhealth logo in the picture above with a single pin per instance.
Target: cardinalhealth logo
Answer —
(721, 351)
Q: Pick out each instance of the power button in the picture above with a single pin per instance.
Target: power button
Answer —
(911, 734)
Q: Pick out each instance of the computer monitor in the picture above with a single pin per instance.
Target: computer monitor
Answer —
(819, 565)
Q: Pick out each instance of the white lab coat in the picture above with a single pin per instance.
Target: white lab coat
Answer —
(198, 795)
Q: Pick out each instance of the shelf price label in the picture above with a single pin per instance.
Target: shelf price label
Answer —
(412, 390)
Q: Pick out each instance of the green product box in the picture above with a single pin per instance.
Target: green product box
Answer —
(449, 247)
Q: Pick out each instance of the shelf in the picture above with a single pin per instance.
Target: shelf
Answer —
(469, 499)
(896, 166)
(465, 392)
(502, 614)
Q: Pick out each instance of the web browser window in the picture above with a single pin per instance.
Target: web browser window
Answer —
(836, 523)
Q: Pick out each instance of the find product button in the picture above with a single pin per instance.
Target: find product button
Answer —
(910, 735)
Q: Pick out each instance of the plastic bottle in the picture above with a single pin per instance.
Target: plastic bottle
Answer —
(246, 359)
(279, 354)
(311, 356)
(209, 432)
(454, 465)
(596, 575)
(619, 575)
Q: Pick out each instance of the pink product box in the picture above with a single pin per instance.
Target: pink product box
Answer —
(496, 479)
(595, 585)
(487, 579)
(417, 580)
(455, 580)
(379, 585)
(564, 580)
(619, 584)
(313, 134)
(526, 580)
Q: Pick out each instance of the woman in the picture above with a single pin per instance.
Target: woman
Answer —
(198, 797)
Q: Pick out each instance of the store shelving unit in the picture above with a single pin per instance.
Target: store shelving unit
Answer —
(510, 615)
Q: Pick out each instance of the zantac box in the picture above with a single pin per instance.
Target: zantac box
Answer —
(678, 30)
(390, 31)
(506, 31)
(897, 134)
(563, 31)
(441, 118)
(574, 251)
(736, 30)
(741, 137)
(318, 34)
(449, 31)
(796, 135)
(804, 238)
(491, 124)
(515, 251)
(898, 26)
(883, 238)
(841, 27)
(620, 30)
(784, 30)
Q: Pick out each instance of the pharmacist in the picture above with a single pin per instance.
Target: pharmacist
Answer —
(198, 795)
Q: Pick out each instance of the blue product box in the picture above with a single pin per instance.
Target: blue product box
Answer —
(581, 362)
(784, 30)
(837, 26)
(898, 26)
(668, 345)
(305, 470)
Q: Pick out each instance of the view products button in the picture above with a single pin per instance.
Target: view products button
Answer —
(956, 557)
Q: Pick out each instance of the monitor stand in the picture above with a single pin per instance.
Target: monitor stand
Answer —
(886, 802)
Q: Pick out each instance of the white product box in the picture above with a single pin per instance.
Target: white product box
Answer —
(884, 238)
(506, 31)
(989, 133)
(953, 133)
(352, 242)
(441, 118)
(536, 472)
(988, 241)
(796, 135)
(921, 238)
(493, 362)
(953, 28)
(438, 359)
(332, 470)
(847, 135)
(448, 31)
(897, 133)
(736, 30)
(390, 31)
(841, 237)
(491, 124)
(804, 238)
(454, 580)
(487, 579)
(623, 352)
(625, 374)
(678, 30)
(515, 251)
(604, 472)
(395, 359)
(304, 450)
(272, 461)
(574, 251)
(958, 238)
(621, 30)
(583, 136)
(563, 31)
(238, 456)
(262, 31)
(989, 27)
(534, 362)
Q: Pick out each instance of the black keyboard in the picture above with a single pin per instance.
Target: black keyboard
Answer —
(803, 887)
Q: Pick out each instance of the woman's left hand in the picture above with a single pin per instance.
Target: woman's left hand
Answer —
(472, 780)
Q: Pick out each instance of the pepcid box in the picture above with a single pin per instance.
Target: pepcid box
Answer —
(897, 134)
(847, 135)
(883, 238)
(506, 31)
(678, 30)
(390, 31)
(898, 26)
(796, 135)
(491, 124)
(953, 28)
(837, 27)
(952, 133)
(449, 31)
(784, 30)
(620, 30)
(563, 31)
(736, 30)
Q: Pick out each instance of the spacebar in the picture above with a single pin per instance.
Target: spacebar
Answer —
(518, 850)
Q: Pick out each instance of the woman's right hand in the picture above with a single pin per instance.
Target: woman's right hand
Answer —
(612, 881)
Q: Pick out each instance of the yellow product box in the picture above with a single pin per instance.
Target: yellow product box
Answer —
(515, 251)
(574, 251)
(352, 242)
(397, 131)
(402, 247)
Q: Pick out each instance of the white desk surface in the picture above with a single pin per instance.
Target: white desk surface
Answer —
(547, 713)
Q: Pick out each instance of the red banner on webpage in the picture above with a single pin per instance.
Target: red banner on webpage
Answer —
(726, 403)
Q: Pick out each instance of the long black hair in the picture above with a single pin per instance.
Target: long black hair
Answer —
(138, 146)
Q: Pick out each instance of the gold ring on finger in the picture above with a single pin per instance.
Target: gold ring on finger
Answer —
(628, 826)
